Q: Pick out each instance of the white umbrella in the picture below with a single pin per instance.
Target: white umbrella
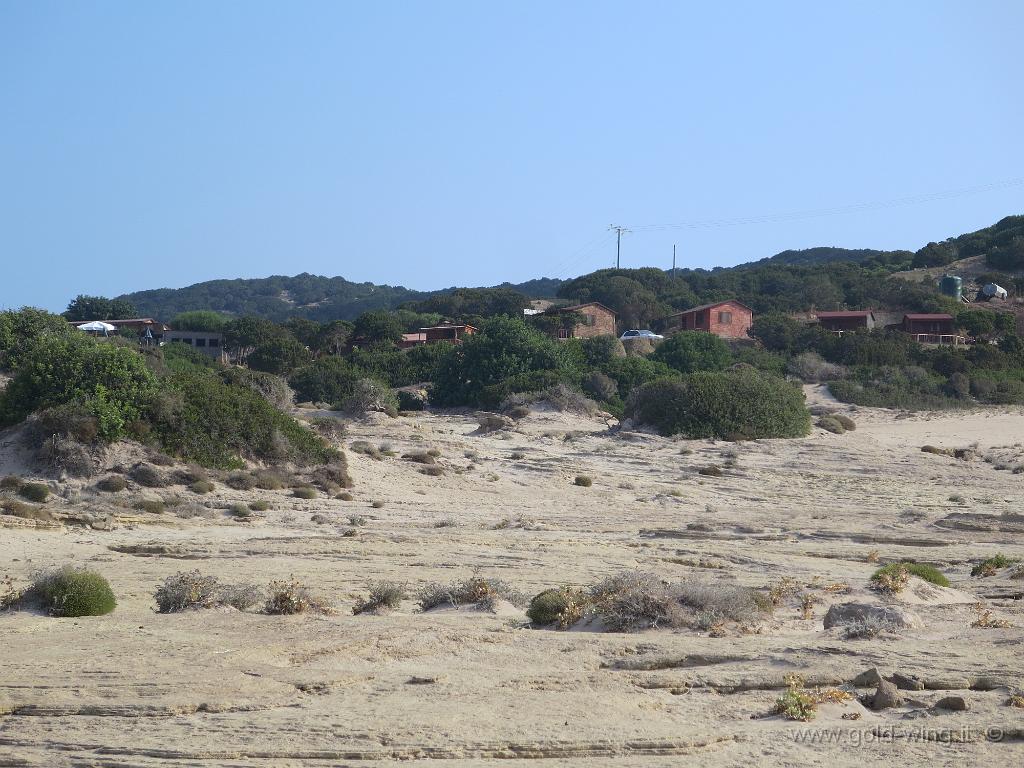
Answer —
(97, 325)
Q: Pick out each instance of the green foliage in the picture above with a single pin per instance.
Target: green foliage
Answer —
(564, 607)
(506, 356)
(280, 355)
(112, 484)
(925, 572)
(371, 396)
(909, 387)
(242, 335)
(740, 404)
(377, 326)
(471, 304)
(583, 480)
(692, 351)
(989, 566)
(796, 704)
(21, 330)
(199, 417)
(327, 380)
(201, 320)
(99, 308)
(72, 592)
(831, 424)
(110, 381)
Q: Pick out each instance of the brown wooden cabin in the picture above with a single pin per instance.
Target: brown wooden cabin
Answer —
(846, 322)
(729, 319)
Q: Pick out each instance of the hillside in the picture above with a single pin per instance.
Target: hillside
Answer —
(824, 255)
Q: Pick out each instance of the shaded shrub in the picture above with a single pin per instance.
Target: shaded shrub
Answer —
(420, 457)
(583, 480)
(410, 401)
(239, 509)
(991, 565)
(112, 484)
(692, 351)
(330, 477)
(269, 480)
(741, 404)
(271, 388)
(367, 449)
(38, 492)
(10, 483)
(831, 424)
(812, 367)
(305, 492)
(151, 506)
(377, 504)
(259, 506)
(71, 592)
(148, 476)
(848, 424)
(384, 595)
(23, 510)
(65, 454)
(190, 474)
(240, 481)
(433, 470)
(711, 471)
(201, 486)
(328, 427)
(600, 386)
(371, 396)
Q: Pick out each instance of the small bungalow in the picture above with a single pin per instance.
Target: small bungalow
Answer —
(593, 319)
(729, 319)
(932, 328)
(845, 322)
(448, 332)
(208, 342)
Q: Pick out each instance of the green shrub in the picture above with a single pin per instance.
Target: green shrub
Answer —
(259, 506)
(409, 401)
(10, 483)
(72, 592)
(925, 572)
(190, 590)
(305, 492)
(989, 566)
(371, 396)
(564, 607)
(692, 351)
(742, 404)
(201, 487)
(848, 424)
(796, 704)
(279, 356)
(38, 492)
(831, 424)
(269, 480)
(377, 504)
(287, 598)
(583, 480)
(384, 595)
(23, 510)
(712, 470)
(239, 509)
(112, 484)
(420, 457)
(200, 418)
(346, 496)
(330, 379)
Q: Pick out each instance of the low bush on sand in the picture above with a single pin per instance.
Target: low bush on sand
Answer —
(831, 424)
(848, 424)
(289, 597)
(240, 481)
(990, 566)
(796, 703)
(583, 480)
(433, 470)
(633, 601)
(259, 506)
(384, 596)
(240, 509)
(305, 492)
(869, 628)
(148, 476)
(711, 471)
(562, 607)
(24, 511)
(366, 449)
(191, 590)
(151, 506)
(37, 492)
(377, 504)
(112, 484)
(201, 487)
(420, 457)
(331, 477)
(270, 480)
(893, 578)
(476, 590)
(10, 483)
(70, 592)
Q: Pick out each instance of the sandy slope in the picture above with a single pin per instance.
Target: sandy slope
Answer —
(222, 688)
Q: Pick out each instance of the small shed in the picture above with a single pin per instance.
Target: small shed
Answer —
(728, 319)
(595, 320)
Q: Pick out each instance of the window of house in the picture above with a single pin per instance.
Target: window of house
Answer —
(200, 342)
(589, 319)
(214, 342)
(698, 319)
(186, 341)
(564, 333)
(725, 318)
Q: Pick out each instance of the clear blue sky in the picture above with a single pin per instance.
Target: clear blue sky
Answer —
(429, 144)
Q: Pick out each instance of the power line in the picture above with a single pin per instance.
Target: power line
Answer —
(840, 210)
(618, 242)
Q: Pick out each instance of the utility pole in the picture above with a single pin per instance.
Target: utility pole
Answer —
(618, 242)
(673, 261)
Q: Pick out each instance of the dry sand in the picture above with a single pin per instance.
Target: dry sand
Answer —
(461, 687)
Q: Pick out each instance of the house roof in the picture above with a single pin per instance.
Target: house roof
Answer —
(702, 307)
(449, 325)
(844, 315)
(927, 317)
(574, 307)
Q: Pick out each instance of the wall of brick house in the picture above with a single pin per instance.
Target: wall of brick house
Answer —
(737, 328)
(604, 324)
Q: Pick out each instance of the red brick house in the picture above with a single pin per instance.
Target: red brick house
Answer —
(595, 320)
(845, 322)
(728, 319)
(436, 333)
